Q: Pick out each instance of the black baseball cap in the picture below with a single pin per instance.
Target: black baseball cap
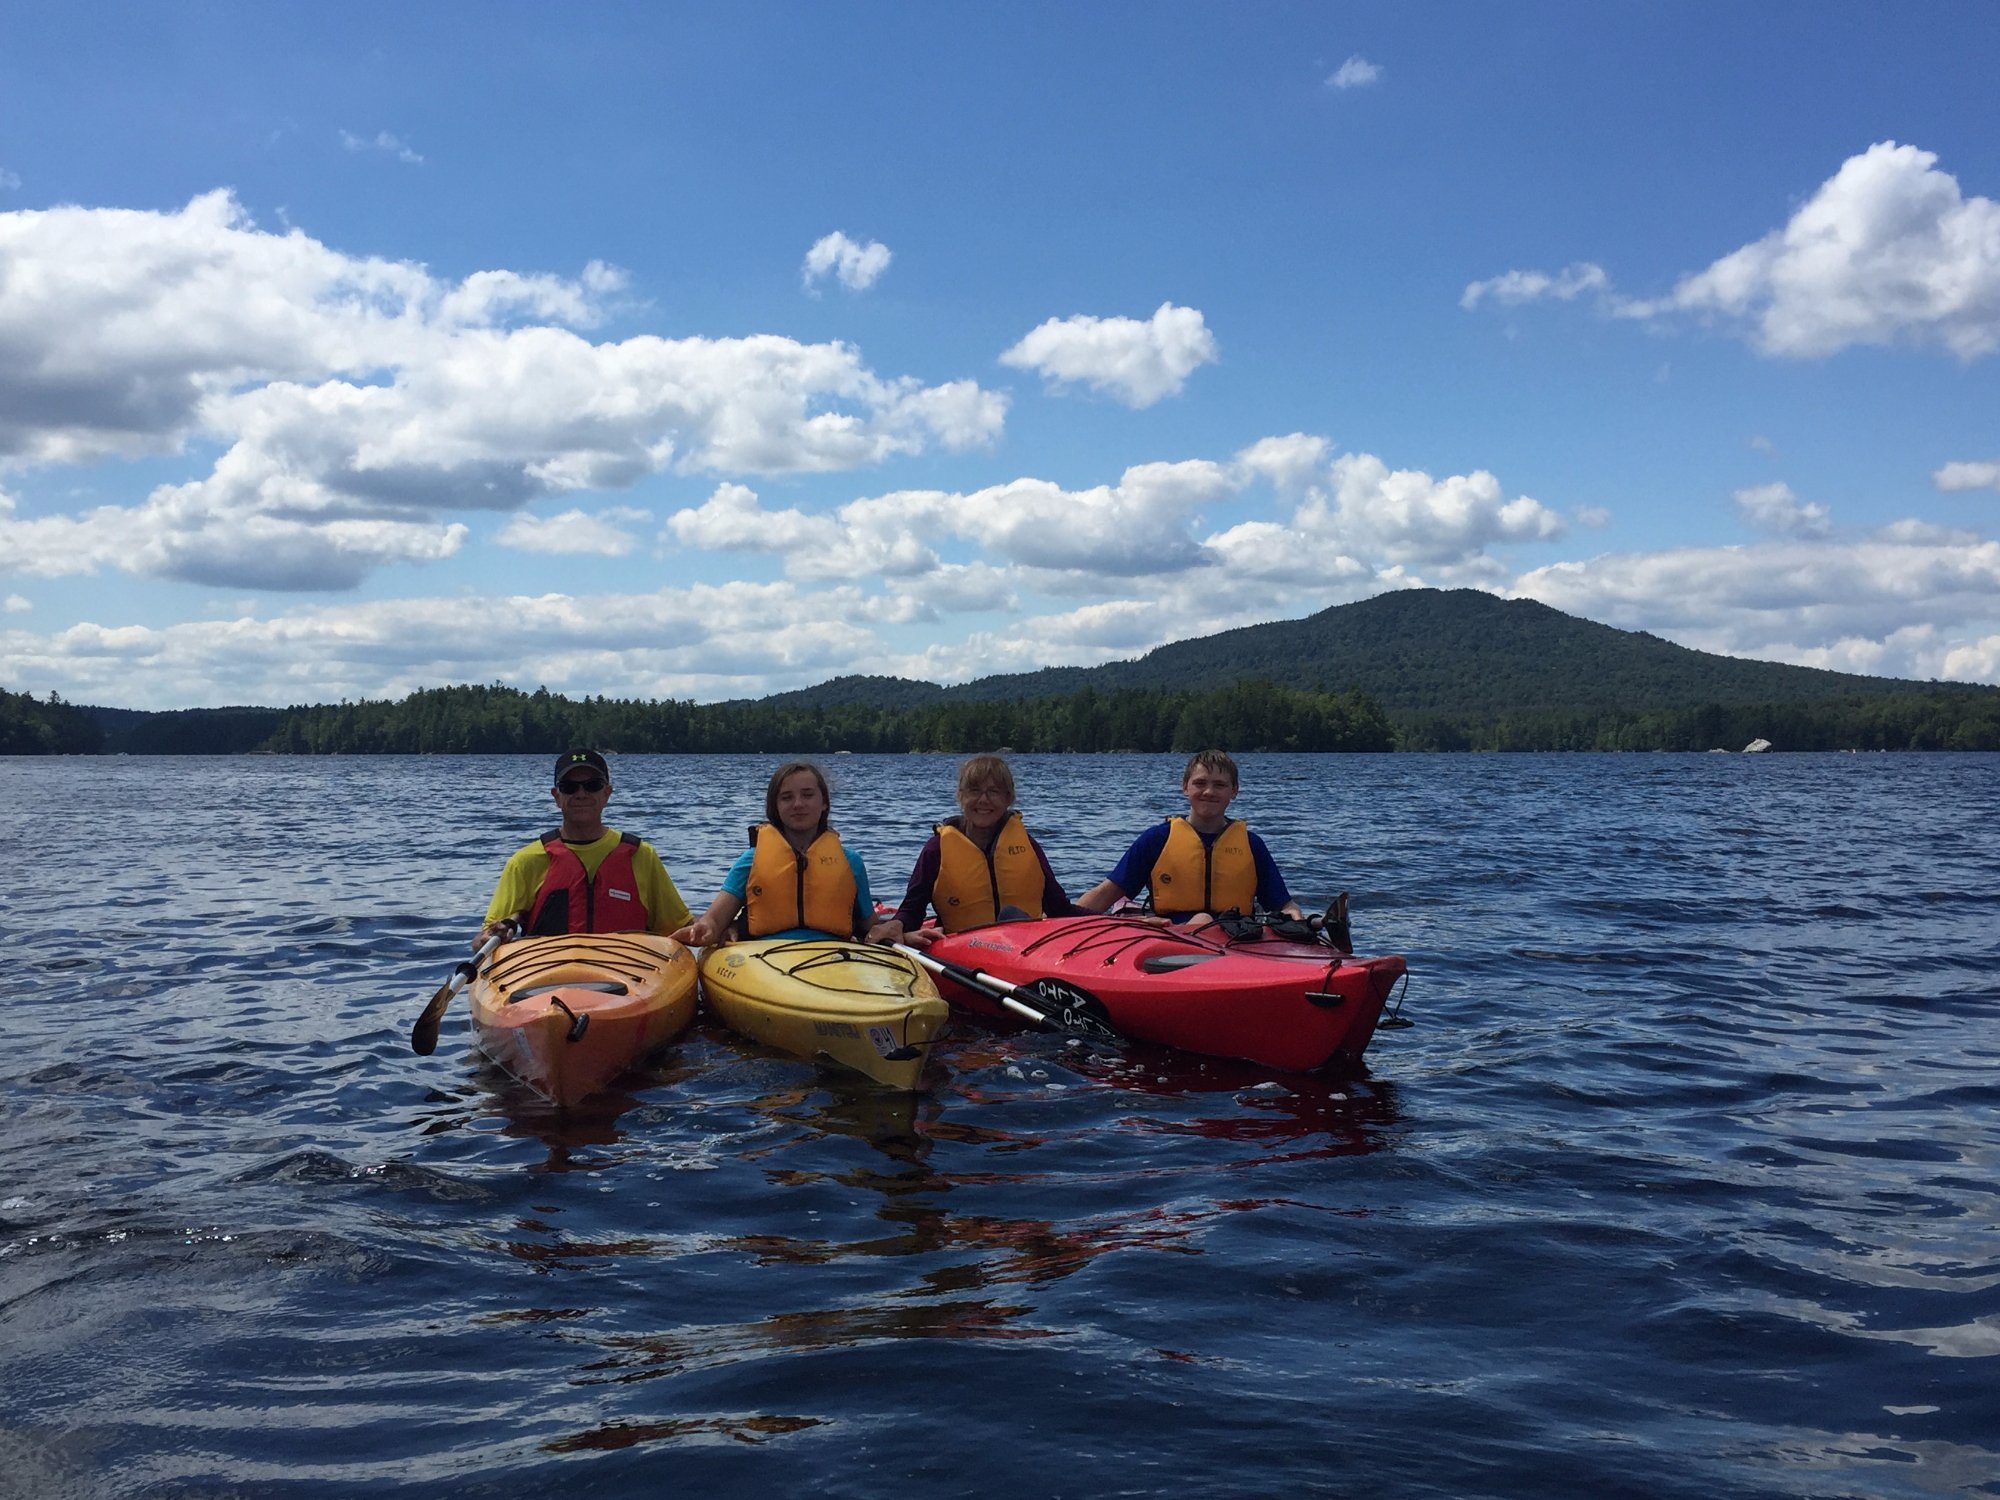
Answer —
(570, 760)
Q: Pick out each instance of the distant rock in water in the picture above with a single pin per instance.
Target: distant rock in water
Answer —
(1756, 747)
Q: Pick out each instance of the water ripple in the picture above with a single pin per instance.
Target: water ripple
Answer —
(1684, 1184)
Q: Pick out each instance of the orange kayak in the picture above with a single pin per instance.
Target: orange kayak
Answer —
(566, 1015)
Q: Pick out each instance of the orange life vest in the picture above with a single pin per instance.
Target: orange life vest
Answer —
(1192, 875)
(974, 883)
(787, 891)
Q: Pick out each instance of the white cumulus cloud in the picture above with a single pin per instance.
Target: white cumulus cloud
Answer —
(1288, 462)
(1341, 530)
(697, 640)
(1775, 510)
(857, 266)
(836, 546)
(1134, 362)
(356, 403)
(1138, 526)
(1800, 599)
(1356, 72)
(1406, 516)
(1968, 476)
(574, 533)
(1887, 251)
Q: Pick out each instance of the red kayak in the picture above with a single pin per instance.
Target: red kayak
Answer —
(1286, 1004)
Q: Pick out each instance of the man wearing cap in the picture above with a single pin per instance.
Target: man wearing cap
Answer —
(585, 876)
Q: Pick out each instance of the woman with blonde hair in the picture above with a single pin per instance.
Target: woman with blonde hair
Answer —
(981, 865)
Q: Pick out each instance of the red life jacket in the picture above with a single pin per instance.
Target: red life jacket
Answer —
(571, 901)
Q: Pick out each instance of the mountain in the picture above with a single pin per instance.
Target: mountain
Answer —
(1431, 651)
(1417, 670)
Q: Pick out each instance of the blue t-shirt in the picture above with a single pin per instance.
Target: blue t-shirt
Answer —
(1135, 871)
(737, 883)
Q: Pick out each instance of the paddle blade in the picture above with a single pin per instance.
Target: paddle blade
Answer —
(424, 1034)
(1335, 925)
(1075, 1011)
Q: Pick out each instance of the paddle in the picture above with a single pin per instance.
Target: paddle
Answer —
(1335, 924)
(424, 1035)
(1049, 1003)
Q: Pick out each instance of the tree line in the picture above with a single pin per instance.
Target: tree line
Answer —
(1909, 721)
(500, 720)
(1250, 715)
(53, 727)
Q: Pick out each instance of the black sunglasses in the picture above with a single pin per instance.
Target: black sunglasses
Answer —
(581, 784)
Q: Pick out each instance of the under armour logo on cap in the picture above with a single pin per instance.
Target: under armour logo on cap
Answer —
(570, 760)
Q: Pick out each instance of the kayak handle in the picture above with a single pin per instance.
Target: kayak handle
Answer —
(578, 1025)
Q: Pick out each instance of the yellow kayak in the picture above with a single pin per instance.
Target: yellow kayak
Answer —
(568, 1014)
(862, 1006)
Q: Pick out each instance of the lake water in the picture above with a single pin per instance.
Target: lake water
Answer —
(1685, 1183)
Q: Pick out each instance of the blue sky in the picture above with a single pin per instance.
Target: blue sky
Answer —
(663, 350)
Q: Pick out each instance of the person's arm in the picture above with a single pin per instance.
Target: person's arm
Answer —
(866, 926)
(1272, 892)
(1055, 900)
(520, 878)
(1130, 874)
(1102, 896)
(917, 894)
(666, 910)
(712, 925)
(911, 917)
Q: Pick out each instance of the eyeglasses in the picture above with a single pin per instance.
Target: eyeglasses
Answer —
(581, 784)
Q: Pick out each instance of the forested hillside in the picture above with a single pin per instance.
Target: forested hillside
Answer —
(1458, 653)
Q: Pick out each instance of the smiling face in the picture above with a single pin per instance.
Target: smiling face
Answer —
(801, 806)
(581, 796)
(1208, 795)
(984, 808)
(985, 793)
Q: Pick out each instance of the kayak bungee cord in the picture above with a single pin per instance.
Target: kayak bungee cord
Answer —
(834, 953)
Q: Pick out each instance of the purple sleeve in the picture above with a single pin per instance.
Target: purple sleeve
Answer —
(1055, 900)
(923, 880)
(1271, 890)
